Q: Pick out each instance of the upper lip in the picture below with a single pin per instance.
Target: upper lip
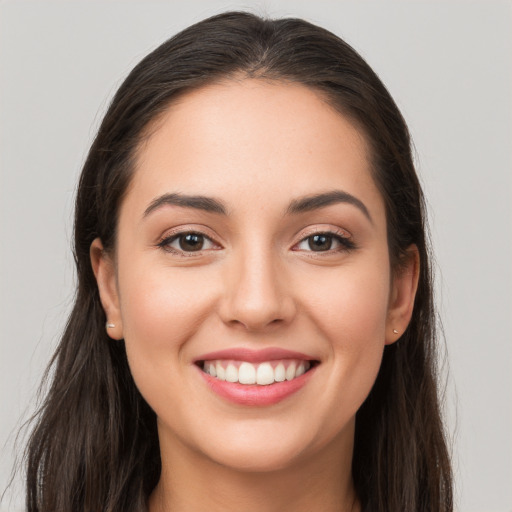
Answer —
(253, 356)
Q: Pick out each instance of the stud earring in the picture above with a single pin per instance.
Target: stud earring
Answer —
(395, 331)
(109, 326)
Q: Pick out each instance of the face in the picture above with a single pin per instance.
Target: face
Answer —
(251, 280)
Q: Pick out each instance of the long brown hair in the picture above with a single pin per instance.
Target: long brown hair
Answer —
(95, 445)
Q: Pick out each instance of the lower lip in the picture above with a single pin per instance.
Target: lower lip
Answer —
(255, 395)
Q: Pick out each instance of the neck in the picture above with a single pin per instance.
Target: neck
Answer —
(321, 483)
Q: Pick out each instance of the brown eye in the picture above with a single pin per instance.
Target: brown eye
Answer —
(191, 242)
(326, 242)
(320, 242)
(187, 242)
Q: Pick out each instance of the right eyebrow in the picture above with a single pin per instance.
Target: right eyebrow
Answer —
(208, 204)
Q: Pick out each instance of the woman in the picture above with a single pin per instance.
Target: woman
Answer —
(253, 326)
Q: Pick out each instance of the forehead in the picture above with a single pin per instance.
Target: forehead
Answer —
(251, 140)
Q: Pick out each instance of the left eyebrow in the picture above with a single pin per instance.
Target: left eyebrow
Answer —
(316, 201)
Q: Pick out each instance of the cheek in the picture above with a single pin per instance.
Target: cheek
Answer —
(161, 309)
(351, 311)
(352, 305)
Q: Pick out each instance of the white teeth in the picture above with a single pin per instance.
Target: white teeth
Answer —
(280, 373)
(247, 374)
(232, 373)
(265, 374)
(261, 374)
(290, 372)
(221, 373)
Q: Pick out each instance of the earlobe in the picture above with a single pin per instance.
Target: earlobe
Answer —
(403, 293)
(104, 271)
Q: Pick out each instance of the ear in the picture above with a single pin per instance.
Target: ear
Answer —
(104, 271)
(403, 292)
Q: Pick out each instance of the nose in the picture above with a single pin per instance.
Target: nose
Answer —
(258, 295)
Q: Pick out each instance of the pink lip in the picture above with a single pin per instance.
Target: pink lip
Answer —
(254, 356)
(254, 395)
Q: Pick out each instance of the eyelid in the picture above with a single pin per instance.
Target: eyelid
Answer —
(189, 228)
(327, 230)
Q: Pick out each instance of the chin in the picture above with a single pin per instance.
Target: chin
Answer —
(264, 446)
(256, 459)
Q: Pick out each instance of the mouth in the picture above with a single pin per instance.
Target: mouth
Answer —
(264, 373)
(256, 378)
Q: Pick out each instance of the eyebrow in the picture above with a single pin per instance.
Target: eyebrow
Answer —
(300, 205)
(316, 201)
(207, 204)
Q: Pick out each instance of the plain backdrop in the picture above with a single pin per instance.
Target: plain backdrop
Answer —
(449, 67)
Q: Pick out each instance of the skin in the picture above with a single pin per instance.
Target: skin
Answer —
(256, 146)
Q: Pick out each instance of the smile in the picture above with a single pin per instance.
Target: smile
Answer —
(261, 374)
(256, 377)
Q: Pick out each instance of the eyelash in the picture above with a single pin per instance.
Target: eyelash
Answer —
(165, 243)
(345, 242)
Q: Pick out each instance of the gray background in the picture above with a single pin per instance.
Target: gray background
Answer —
(449, 67)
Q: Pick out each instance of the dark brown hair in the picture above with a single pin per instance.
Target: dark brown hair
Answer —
(95, 445)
